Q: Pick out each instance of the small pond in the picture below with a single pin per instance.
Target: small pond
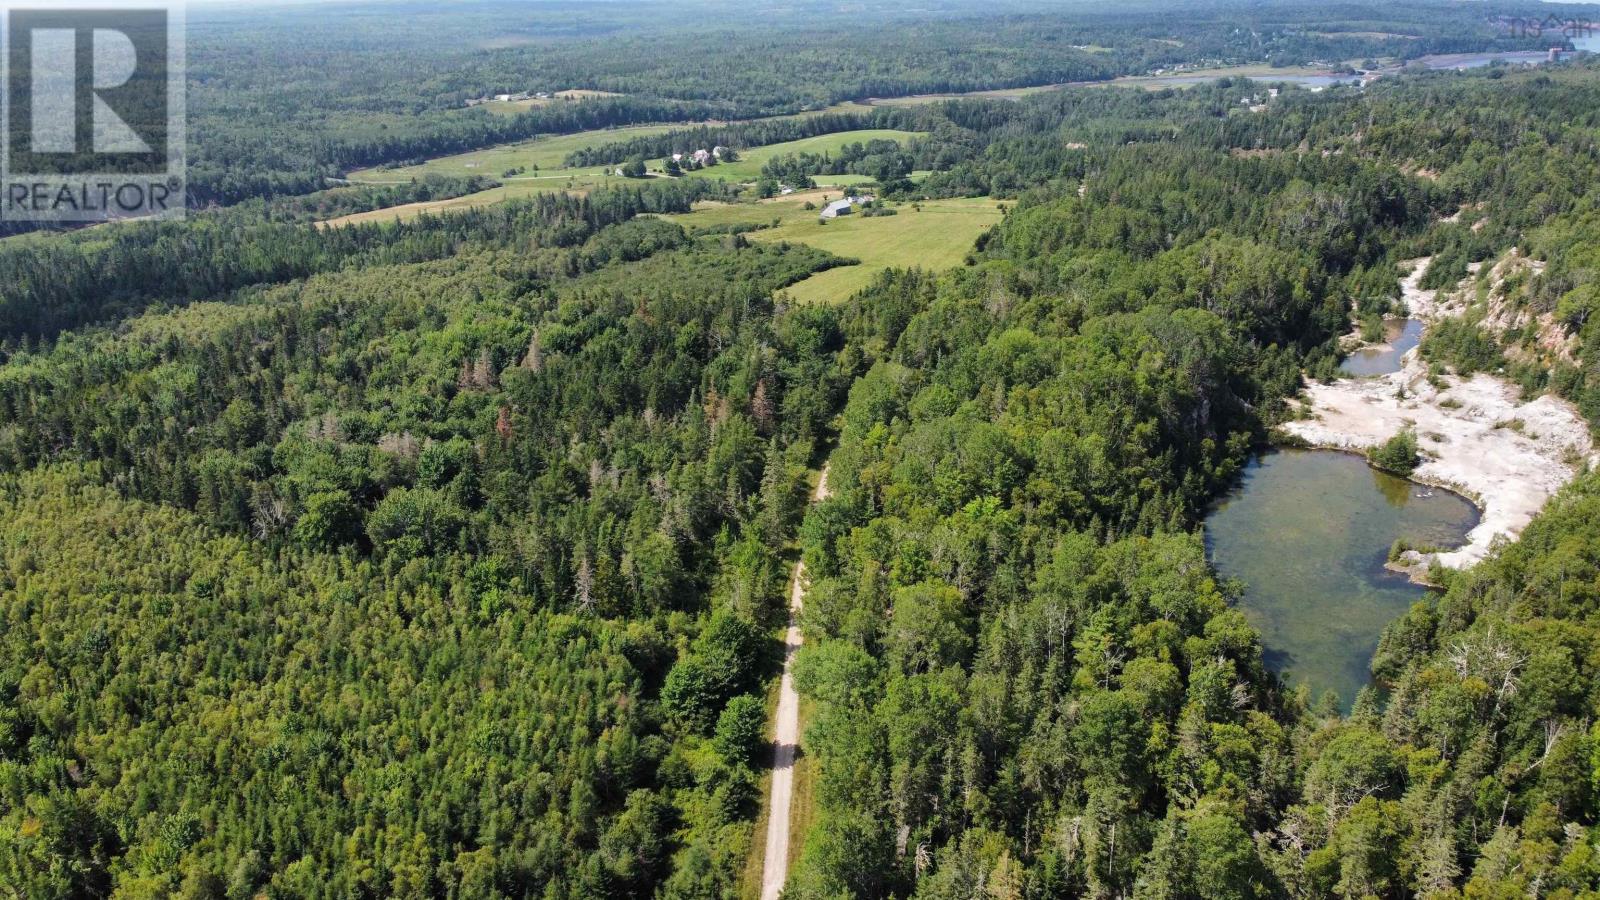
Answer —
(1400, 335)
(1308, 532)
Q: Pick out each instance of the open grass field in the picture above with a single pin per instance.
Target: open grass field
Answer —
(847, 106)
(564, 180)
(1304, 75)
(748, 166)
(547, 153)
(1255, 70)
(997, 94)
(513, 107)
(515, 189)
(936, 237)
(540, 159)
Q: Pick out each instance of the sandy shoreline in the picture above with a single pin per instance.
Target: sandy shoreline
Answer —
(1476, 435)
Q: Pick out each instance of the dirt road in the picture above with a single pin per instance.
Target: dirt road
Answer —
(786, 733)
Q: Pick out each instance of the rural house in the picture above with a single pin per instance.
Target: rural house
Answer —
(843, 207)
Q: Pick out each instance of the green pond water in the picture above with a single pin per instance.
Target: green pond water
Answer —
(1400, 334)
(1308, 532)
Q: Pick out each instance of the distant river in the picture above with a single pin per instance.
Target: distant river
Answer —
(1309, 81)
(1478, 60)
(1308, 532)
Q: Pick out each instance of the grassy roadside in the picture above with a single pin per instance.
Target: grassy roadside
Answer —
(802, 804)
(755, 860)
(802, 808)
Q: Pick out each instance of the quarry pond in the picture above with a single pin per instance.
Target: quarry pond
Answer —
(1308, 533)
(1400, 335)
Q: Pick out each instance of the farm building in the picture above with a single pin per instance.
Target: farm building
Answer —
(843, 207)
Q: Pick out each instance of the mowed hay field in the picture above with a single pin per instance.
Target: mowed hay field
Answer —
(938, 236)
(517, 107)
(996, 94)
(549, 154)
(546, 152)
(511, 190)
(748, 166)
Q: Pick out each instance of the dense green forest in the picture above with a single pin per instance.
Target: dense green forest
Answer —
(1070, 708)
(447, 558)
(566, 469)
(284, 98)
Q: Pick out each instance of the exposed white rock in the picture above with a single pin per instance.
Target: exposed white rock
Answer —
(1477, 436)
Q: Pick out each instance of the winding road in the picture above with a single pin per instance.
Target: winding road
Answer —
(786, 734)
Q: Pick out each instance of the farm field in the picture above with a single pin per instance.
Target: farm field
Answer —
(563, 180)
(1305, 76)
(846, 106)
(549, 152)
(938, 236)
(545, 152)
(998, 94)
(748, 166)
(514, 107)
(513, 189)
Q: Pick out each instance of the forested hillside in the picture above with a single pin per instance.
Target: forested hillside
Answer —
(1030, 684)
(1029, 676)
(447, 558)
(472, 552)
